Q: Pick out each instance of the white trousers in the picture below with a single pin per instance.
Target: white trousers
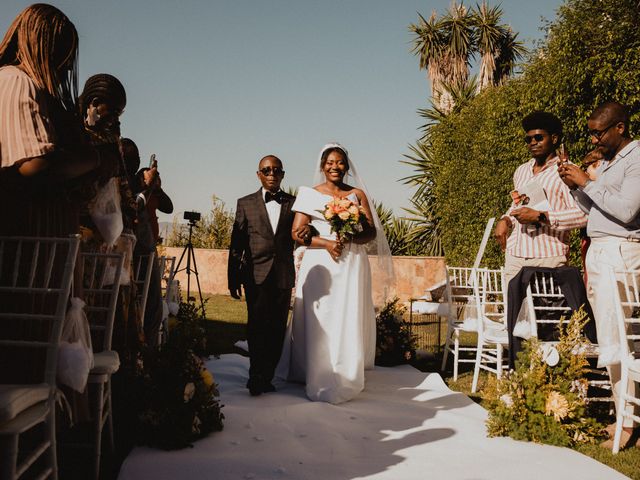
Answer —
(604, 254)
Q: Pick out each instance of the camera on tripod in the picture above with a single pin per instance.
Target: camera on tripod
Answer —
(192, 217)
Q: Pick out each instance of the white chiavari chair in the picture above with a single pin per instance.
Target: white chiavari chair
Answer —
(627, 315)
(492, 325)
(35, 282)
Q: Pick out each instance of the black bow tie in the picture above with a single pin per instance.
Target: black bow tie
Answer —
(277, 197)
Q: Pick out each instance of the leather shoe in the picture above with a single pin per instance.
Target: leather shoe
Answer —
(255, 385)
(268, 387)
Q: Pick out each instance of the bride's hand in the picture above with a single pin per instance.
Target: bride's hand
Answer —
(335, 249)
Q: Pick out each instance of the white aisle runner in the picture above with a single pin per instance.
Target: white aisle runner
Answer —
(405, 425)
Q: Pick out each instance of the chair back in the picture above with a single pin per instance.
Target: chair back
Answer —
(627, 310)
(101, 282)
(35, 282)
(167, 271)
(546, 305)
(462, 291)
(492, 299)
(142, 267)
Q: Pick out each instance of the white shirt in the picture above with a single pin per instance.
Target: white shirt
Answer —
(613, 199)
(273, 211)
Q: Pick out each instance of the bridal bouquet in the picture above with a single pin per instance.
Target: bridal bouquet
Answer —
(344, 216)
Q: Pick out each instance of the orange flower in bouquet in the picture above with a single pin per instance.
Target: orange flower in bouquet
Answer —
(344, 216)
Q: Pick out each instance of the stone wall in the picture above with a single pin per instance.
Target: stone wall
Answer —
(412, 274)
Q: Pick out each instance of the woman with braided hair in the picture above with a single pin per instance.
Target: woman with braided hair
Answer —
(42, 145)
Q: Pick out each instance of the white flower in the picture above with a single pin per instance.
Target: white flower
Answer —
(507, 400)
(189, 391)
(556, 405)
(550, 354)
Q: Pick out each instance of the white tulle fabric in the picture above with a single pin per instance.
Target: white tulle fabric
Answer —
(330, 340)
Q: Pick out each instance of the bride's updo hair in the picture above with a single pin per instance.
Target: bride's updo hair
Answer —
(328, 151)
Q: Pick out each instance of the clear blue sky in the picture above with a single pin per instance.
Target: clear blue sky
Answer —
(213, 86)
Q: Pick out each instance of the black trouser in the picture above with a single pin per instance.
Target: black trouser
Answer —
(268, 309)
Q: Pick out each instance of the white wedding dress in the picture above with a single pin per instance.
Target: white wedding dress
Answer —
(331, 337)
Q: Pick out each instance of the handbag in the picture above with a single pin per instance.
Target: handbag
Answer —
(75, 355)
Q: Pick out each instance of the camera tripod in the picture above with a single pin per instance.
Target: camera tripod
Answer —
(191, 267)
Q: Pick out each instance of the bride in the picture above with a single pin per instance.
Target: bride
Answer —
(331, 337)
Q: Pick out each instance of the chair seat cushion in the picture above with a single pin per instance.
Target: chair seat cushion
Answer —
(15, 399)
(107, 362)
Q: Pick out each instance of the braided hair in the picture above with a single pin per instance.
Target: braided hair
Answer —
(104, 87)
(44, 43)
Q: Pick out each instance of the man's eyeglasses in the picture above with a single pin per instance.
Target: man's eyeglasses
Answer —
(538, 137)
(275, 171)
(598, 134)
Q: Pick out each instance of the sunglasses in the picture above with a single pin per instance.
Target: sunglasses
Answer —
(275, 171)
(538, 137)
(598, 134)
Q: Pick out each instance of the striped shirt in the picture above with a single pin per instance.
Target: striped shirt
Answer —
(549, 240)
(25, 129)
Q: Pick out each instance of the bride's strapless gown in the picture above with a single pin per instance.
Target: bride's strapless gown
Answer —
(331, 337)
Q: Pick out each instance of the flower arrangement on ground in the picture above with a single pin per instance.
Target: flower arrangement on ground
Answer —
(395, 343)
(179, 397)
(544, 399)
(344, 216)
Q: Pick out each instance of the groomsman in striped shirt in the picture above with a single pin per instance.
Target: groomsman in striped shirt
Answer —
(532, 237)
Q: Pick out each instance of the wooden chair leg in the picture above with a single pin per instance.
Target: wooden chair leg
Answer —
(97, 429)
(456, 354)
(50, 431)
(447, 349)
(8, 456)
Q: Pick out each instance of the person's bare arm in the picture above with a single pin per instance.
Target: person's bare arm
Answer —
(300, 221)
(369, 231)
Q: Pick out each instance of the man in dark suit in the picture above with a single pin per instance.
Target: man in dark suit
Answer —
(261, 260)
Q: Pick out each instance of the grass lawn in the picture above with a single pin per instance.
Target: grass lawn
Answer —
(226, 325)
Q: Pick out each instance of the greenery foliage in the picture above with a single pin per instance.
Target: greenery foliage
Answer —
(544, 399)
(591, 54)
(394, 342)
(212, 231)
(178, 394)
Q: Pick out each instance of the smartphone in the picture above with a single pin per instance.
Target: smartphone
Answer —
(562, 156)
(153, 163)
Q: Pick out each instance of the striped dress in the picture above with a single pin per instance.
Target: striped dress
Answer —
(29, 206)
(549, 240)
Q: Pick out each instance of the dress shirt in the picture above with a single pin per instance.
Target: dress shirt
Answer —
(273, 211)
(613, 199)
(552, 239)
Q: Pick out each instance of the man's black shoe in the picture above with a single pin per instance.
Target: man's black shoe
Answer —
(255, 385)
(268, 387)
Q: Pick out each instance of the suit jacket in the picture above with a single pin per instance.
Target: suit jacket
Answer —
(256, 249)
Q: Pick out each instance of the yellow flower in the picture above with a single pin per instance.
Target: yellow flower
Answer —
(556, 405)
(353, 210)
(328, 214)
(207, 378)
(344, 215)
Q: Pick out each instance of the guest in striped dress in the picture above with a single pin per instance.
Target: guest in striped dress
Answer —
(532, 237)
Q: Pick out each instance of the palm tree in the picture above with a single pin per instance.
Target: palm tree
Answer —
(429, 45)
(444, 48)
(457, 25)
(489, 34)
(511, 51)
